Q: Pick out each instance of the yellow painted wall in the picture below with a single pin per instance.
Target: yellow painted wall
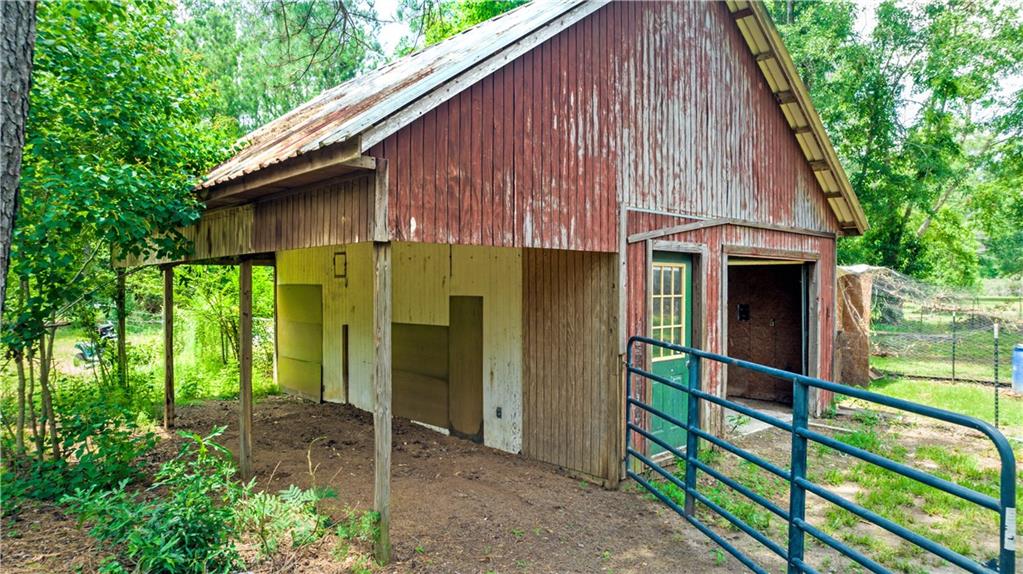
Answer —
(424, 277)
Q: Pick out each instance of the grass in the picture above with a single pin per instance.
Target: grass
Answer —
(921, 343)
(959, 525)
(200, 372)
(968, 399)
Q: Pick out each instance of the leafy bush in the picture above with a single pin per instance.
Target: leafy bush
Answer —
(361, 526)
(290, 514)
(188, 526)
(101, 445)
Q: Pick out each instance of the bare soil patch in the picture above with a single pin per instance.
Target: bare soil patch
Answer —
(457, 507)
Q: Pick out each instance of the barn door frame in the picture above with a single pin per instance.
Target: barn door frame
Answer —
(811, 273)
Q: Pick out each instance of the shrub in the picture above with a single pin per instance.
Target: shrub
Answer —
(292, 513)
(101, 444)
(187, 527)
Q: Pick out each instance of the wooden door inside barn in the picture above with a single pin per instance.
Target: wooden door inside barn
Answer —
(768, 323)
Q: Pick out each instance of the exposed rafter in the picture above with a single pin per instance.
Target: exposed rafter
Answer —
(790, 93)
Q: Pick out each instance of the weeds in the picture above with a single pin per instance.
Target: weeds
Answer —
(188, 526)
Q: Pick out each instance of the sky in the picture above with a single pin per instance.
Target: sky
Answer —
(392, 33)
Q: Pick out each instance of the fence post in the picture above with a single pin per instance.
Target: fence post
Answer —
(996, 374)
(797, 495)
(628, 407)
(692, 441)
(954, 329)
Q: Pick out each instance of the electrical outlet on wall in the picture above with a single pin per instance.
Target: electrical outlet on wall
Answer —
(498, 412)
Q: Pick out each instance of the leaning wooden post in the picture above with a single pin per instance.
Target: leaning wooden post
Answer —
(122, 352)
(168, 347)
(245, 369)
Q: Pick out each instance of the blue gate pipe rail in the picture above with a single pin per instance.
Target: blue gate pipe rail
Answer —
(794, 551)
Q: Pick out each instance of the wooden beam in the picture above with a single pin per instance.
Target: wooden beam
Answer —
(245, 369)
(380, 195)
(343, 157)
(122, 351)
(646, 235)
(785, 97)
(820, 165)
(675, 229)
(832, 194)
(742, 13)
(168, 347)
(382, 401)
(765, 55)
(807, 129)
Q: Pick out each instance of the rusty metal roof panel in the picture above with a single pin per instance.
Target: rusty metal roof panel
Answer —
(347, 110)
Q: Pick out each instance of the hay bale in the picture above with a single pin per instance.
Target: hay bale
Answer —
(852, 342)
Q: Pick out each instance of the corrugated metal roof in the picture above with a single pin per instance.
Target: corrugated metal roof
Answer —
(350, 108)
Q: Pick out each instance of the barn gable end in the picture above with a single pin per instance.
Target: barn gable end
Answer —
(659, 106)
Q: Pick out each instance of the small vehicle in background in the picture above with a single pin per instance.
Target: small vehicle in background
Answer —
(89, 353)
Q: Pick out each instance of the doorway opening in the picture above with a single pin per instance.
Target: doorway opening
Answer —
(768, 323)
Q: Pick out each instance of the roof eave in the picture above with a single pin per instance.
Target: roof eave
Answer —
(793, 98)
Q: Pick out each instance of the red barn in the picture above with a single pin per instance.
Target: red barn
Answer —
(468, 236)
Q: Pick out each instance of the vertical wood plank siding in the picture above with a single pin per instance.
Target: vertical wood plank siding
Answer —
(717, 240)
(570, 376)
(332, 213)
(659, 105)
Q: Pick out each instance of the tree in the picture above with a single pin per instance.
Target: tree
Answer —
(268, 56)
(431, 21)
(118, 133)
(18, 32)
(919, 117)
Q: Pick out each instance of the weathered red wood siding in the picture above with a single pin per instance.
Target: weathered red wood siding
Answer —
(658, 105)
(717, 240)
(657, 108)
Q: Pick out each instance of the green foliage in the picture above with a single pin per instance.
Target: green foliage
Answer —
(102, 442)
(290, 514)
(118, 131)
(361, 526)
(431, 22)
(188, 526)
(919, 114)
(268, 57)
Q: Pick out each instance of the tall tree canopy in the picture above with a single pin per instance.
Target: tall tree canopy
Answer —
(119, 129)
(268, 56)
(431, 21)
(920, 113)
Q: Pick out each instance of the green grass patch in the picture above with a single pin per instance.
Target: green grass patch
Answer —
(968, 399)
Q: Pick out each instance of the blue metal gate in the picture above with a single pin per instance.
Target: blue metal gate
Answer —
(796, 475)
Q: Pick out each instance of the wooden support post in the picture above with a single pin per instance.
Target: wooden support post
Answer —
(122, 351)
(382, 402)
(245, 368)
(168, 347)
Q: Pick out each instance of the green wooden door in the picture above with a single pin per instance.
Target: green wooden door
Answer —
(671, 321)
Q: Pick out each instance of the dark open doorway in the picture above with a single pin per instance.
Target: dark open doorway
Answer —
(767, 324)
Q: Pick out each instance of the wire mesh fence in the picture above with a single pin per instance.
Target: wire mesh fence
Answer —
(924, 331)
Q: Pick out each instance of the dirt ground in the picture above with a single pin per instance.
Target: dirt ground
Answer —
(457, 507)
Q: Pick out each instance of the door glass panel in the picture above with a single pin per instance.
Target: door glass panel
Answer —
(668, 306)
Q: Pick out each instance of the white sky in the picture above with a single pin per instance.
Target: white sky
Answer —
(390, 34)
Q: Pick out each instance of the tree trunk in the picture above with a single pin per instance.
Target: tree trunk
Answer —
(46, 352)
(36, 435)
(122, 334)
(17, 40)
(19, 432)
